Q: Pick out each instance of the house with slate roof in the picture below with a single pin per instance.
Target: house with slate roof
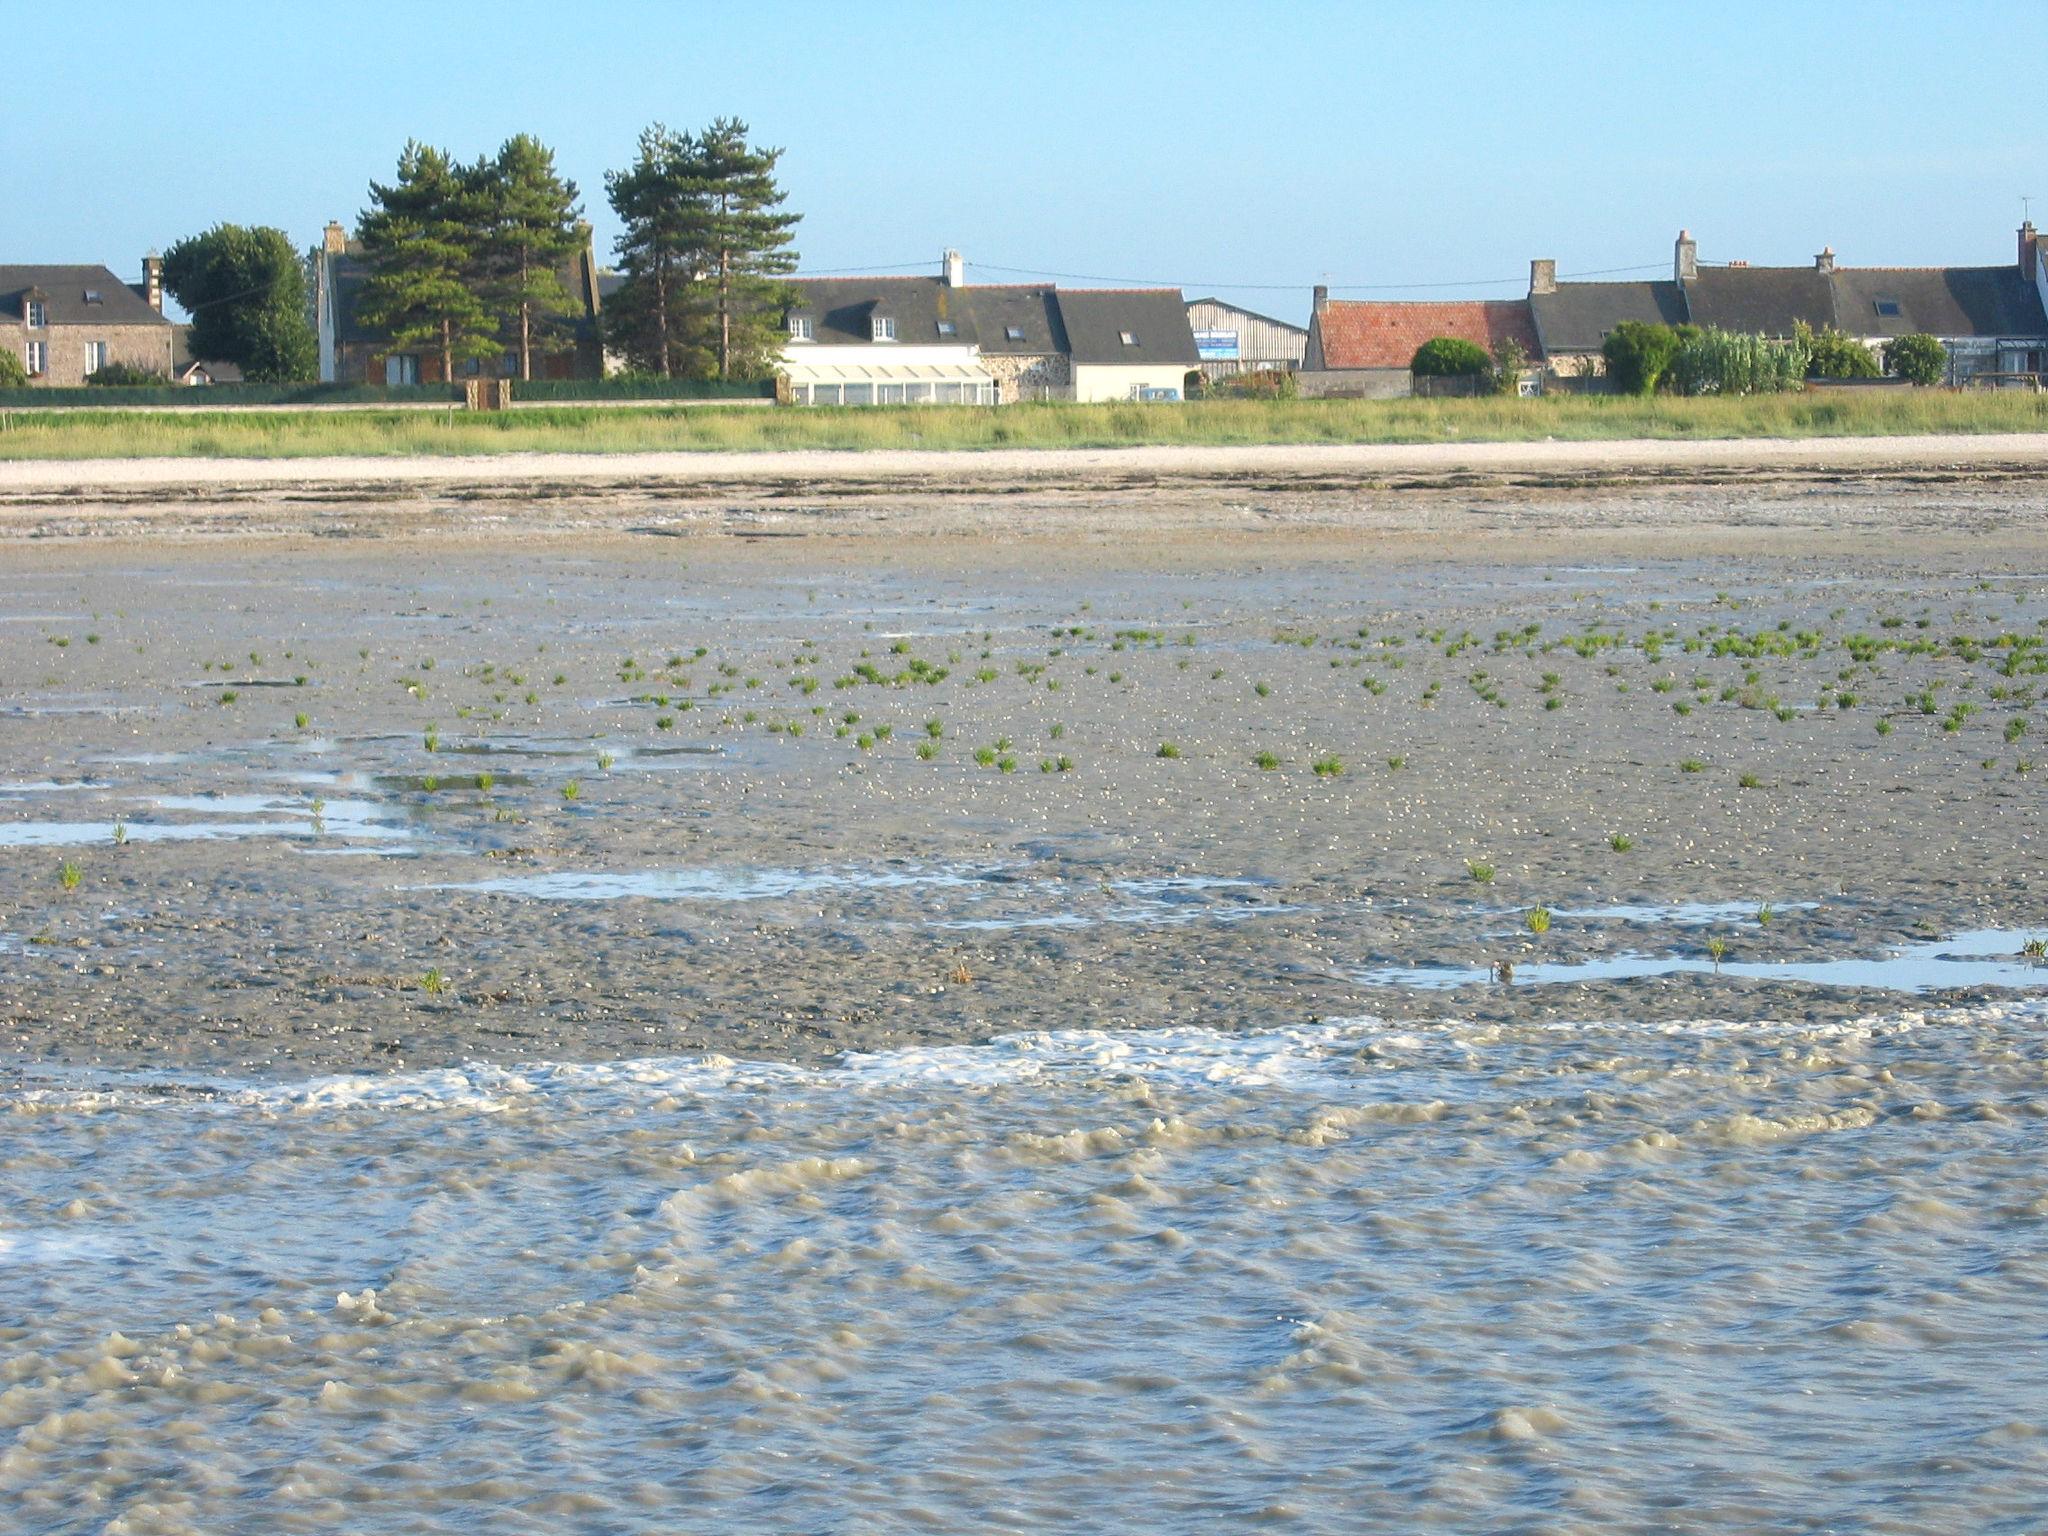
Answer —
(1363, 347)
(1992, 320)
(938, 340)
(65, 322)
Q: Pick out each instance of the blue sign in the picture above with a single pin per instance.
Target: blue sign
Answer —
(1216, 346)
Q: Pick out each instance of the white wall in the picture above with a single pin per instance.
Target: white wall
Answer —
(1114, 381)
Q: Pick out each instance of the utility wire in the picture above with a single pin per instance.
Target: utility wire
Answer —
(1476, 282)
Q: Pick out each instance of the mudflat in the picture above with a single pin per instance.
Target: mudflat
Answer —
(297, 776)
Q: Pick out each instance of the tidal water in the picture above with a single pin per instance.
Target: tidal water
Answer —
(1345, 1276)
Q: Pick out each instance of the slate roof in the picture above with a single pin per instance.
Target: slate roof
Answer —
(1760, 301)
(1035, 311)
(1578, 316)
(1941, 301)
(1097, 319)
(64, 290)
(350, 271)
(843, 310)
(1373, 334)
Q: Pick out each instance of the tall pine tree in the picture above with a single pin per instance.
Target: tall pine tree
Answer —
(704, 249)
(528, 233)
(421, 239)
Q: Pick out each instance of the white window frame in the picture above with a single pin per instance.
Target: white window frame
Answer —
(799, 327)
(36, 315)
(1130, 338)
(948, 328)
(38, 358)
(882, 328)
(397, 365)
(1013, 333)
(95, 356)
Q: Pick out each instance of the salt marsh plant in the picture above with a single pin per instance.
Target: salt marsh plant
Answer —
(120, 834)
(1265, 762)
(1167, 749)
(1764, 914)
(2035, 949)
(299, 720)
(69, 874)
(1717, 947)
(1691, 765)
(1479, 871)
(432, 740)
(1749, 781)
(935, 728)
(433, 983)
(484, 781)
(605, 761)
(228, 696)
(1396, 763)
(927, 750)
(1621, 842)
(1328, 766)
(572, 790)
(985, 757)
(1538, 921)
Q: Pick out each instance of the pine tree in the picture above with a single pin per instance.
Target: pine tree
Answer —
(745, 245)
(655, 200)
(421, 241)
(528, 232)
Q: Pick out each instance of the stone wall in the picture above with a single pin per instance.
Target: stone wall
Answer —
(1044, 377)
(1354, 383)
(139, 346)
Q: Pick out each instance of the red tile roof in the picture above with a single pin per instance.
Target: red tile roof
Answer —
(1364, 334)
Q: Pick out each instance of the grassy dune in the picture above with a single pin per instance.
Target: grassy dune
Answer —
(87, 434)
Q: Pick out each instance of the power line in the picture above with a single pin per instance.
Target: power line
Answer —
(1154, 282)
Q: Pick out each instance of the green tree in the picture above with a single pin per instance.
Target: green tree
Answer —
(747, 247)
(654, 198)
(1831, 355)
(13, 371)
(422, 243)
(705, 252)
(1447, 357)
(528, 231)
(245, 289)
(1918, 359)
(1637, 352)
(1509, 360)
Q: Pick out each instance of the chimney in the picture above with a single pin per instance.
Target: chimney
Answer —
(2030, 243)
(956, 270)
(336, 241)
(1542, 276)
(1825, 261)
(1685, 258)
(1322, 297)
(153, 281)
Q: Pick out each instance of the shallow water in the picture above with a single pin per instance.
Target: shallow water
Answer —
(1329, 1278)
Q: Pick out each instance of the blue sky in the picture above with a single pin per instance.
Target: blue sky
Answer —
(1253, 149)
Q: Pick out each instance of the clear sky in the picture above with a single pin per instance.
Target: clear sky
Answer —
(1249, 148)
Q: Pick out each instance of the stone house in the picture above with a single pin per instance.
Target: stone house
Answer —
(65, 322)
(353, 352)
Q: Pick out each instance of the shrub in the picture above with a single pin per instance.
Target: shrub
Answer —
(1446, 357)
(1637, 353)
(125, 376)
(1831, 355)
(1258, 384)
(1509, 359)
(13, 371)
(1710, 361)
(1918, 359)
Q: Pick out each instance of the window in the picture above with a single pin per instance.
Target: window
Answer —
(948, 328)
(471, 368)
(824, 394)
(1013, 333)
(1130, 338)
(402, 368)
(1888, 308)
(884, 328)
(92, 296)
(508, 365)
(38, 357)
(799, 327)
(38, 316)
(95, 356)
(889, 394)
(860, 394)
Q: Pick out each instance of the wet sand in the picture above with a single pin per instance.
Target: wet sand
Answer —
(1473, 655)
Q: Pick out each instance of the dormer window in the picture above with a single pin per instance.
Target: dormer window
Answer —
(1013, 333)
(799, 327)
(38, 316)
(883, 328)
(92, 296)
(948, 328)
(1130, 338)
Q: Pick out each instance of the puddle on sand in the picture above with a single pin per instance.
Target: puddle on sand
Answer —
(1162, 902)
(1985, 957)
(1684, 914)
(240, 816)
(701, 884)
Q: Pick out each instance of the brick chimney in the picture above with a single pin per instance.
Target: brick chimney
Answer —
(2030, 244)
(1542, 276)
(335, 242)
(1685, 258)
(1825, 261)
(153, 281)
(956, 269)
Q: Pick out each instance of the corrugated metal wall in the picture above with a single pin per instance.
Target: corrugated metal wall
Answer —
(1260, 342)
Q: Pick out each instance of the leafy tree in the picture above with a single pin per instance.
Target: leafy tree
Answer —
(13, 371)
(246, 292)
(1918, 359)
(1509, 359)
(1637, 353)
(528, 231)
(1447, 357)
(746, 246)
(1831, 355)
(704, 251)
(421, 240)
